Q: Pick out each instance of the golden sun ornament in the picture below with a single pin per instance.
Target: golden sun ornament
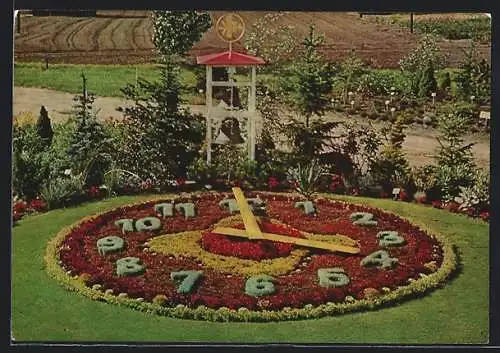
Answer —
(230, 27)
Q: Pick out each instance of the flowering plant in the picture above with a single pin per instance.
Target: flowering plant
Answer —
(272, 182)
(337, 184)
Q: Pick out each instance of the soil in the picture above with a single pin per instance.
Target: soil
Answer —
(125, 37)
(419, 145)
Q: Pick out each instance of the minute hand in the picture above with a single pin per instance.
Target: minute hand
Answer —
(249, 220)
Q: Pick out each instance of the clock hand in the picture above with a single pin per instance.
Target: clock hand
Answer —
(287, 239)
(251, 226)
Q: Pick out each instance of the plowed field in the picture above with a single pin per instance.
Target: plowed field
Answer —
(112, 38)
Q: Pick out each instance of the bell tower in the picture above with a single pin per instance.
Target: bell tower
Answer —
(230, 28)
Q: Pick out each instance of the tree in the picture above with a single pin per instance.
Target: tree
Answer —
(308, 81)
(454, 157)
(275, 43)
(444, 83)
(392, 158)
(475, 77)
(351, 70)
(175, 32)
(416, 62)
(427, 84)
(160, 138)
(44, 128)
(90, 144)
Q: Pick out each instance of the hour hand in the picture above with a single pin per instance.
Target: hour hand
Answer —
(251, 226)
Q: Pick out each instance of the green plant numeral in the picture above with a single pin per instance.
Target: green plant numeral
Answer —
(390, 238)
(306, 206)
(188, 280)
(109, 244)
(148, 224)
(260, 285)
(129, 266)
(332, 277)
(165, 209)
(363, 219)
(126, 225)
(255, 202)
(229, 204)
(186, 208)
(379, 259)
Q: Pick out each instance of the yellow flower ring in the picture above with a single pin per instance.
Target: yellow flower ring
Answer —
(186, 244)
(175, 255)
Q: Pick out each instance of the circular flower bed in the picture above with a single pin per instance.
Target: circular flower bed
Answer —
(256, 250)
(163, 256)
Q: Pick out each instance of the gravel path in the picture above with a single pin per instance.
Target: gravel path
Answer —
(419, 145)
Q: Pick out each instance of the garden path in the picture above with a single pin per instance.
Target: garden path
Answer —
(419, 145)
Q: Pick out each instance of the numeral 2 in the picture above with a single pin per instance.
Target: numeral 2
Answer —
(363, 219)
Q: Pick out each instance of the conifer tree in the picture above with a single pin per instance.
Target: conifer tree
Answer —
(90, 142)
(44, 128)
(427, 83)
(161, 137)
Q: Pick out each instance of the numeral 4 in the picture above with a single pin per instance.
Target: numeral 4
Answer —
(379, 259)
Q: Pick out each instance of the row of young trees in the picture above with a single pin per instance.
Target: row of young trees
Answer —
(159, 140)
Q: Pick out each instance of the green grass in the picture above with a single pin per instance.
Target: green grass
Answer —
(106, 80)
(102, 80)
(458, 313)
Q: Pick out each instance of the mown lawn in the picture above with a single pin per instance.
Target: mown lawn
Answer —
(102, 80)
(458, 313)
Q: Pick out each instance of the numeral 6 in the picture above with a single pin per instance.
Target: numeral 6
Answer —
(260, 285)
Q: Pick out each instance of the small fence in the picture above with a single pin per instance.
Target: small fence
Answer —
(72, 13)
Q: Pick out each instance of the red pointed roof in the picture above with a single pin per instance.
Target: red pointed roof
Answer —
(229, 59)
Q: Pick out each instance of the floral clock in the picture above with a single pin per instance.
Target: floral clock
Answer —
(263, 257)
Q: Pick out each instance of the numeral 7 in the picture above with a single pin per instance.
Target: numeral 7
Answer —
(187, 278)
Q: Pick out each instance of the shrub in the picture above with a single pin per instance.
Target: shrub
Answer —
(444, 82)
(62, 191)
(424, 177)
(56, 158)
(472, 28)
(380, 82)
(29, 171)
(305, 178)
(476, 197)
(420, 196)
